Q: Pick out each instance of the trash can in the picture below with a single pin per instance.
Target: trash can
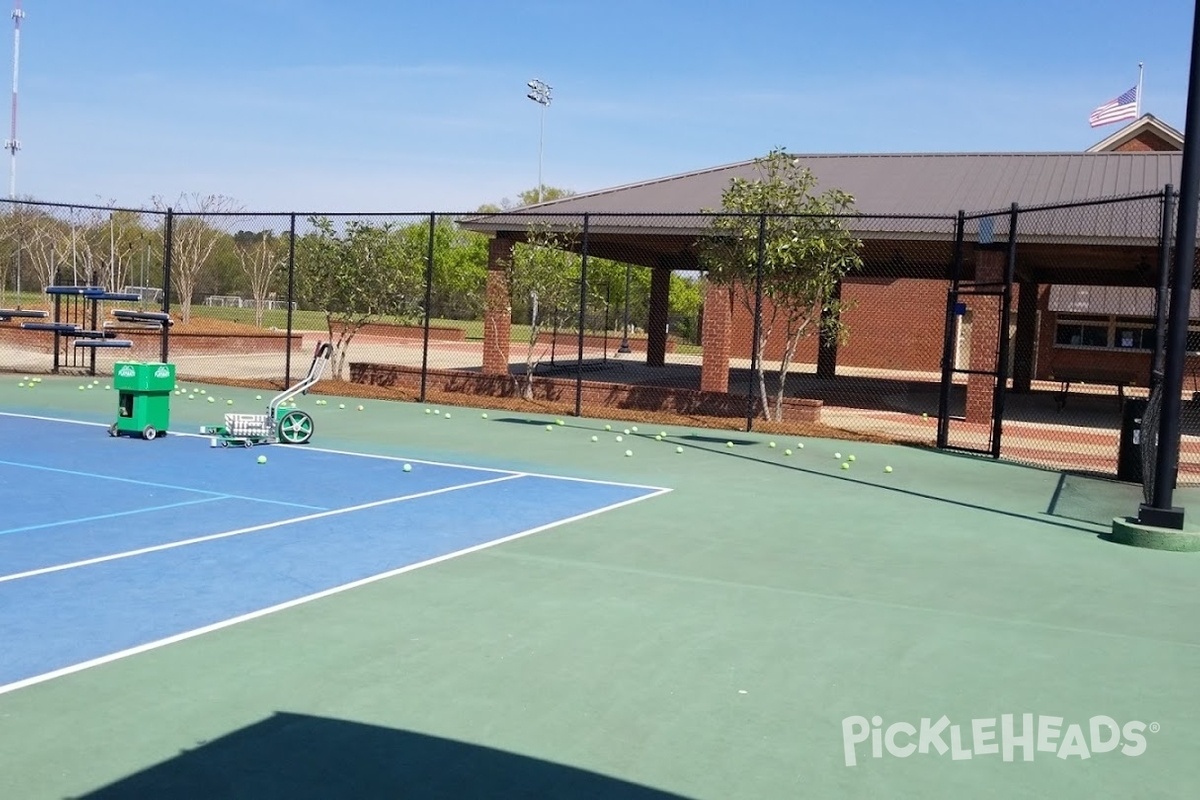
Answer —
(143, 398)
(1129, 454)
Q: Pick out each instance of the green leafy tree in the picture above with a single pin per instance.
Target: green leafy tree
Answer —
(806, 250)
(357, 276)
(459, 266)
(544, 270)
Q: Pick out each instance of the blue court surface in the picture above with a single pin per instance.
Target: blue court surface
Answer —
(110, 546)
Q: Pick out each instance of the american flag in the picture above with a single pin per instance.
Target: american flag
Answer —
(1124, 107)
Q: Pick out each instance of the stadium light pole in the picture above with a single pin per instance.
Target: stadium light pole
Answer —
(539, 92)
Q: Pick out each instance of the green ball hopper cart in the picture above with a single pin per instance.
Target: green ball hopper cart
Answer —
(280, 423)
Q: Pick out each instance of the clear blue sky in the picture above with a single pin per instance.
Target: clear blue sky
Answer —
(408, 106)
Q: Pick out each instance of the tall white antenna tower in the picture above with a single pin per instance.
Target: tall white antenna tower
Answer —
(13, 144)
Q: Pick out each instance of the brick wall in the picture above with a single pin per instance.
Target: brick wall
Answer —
(690, 402)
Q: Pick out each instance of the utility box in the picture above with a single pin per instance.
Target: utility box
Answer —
(1129, 454)
(143, 398)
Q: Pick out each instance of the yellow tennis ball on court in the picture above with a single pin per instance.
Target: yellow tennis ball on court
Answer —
(620, 438)
(549, 427)
(559, 422)
(211, 399)
(837, 455)
(262, 459)
(887, 469)
(845, 465)
(850, 457)
(729, 444)
(595, 438)
(634, 429)
(787, 452)
(608, 427)
(627, 431)
(408, 467)
(228, 402)
(437, 411)
(628, 453)
(658, 438)
(258, 397)
(678, 449)
(21, 384)
(484, 415)
(360, 408)
(770, 444)
(799, 445)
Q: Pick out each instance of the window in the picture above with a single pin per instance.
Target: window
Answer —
(1133, 338)
(1081, 334)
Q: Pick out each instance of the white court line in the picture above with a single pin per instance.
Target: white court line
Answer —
(216, 626)
(382, 457)
(251, 529)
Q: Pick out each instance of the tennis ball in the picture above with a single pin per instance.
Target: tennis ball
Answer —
(663, 434)
(176, 391)
(850, 457)
(837, 455)
(427, 411)
(107, 387)
(658, 438)
(799, 445)
(558, 422)
(408, 467)
(634, 429)
(887, 469)
(620, 438)
(360, 408)
(678, 449)
(484, 415)
(341, 405)
(258, 397)
(228, 402)
(608, 427)
(845, 465)
(191, 397)
(203, 392)
(25, 378)
(21, 384)
(549, 427)
(924, 416)
(628, 453)
(262, 459)
(437, 411)
(211, 399)
(595, 438)
(770, 444)
(787, 452)
(729, 444)
(627, 431)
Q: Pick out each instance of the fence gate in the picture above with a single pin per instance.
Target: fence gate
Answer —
(975, 357)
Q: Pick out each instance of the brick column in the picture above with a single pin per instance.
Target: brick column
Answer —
(656, 325)
(497, 319)
(714, 338)
(985, 335)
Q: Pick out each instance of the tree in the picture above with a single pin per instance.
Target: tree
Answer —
(193, 240)
(544, 269)
(526, 198)
(357, 276)
(261, 255)
(806, 250)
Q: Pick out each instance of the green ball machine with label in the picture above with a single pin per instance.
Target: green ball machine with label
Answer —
(143, 399)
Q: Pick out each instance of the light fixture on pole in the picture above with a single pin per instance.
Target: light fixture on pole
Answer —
(539, 92)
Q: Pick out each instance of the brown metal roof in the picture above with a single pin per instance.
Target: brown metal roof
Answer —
(894, 184)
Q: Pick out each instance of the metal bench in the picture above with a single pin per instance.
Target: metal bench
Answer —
(1099, 377)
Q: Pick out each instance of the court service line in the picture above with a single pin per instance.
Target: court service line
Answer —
(216, 626)
(152, 484)
(98, 517)
(251, 529)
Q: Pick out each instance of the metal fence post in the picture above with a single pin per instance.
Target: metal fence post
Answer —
(428, 303)
(1164, 283)
(168, 246)
(291, 300)
(758, 289)
(943, 420)
(583, 265)
(1001, 390)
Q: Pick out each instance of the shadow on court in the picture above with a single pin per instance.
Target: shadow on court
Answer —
(296, 756)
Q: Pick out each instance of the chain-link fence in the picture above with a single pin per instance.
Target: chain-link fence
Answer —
(1026, 334)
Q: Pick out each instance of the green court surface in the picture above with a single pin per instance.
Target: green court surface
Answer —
(711, 642)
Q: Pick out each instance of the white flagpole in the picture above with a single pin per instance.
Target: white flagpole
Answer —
(1139, 91)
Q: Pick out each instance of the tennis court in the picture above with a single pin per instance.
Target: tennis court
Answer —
(533, 613)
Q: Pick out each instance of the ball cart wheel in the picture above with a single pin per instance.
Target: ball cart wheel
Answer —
(112, 429)
(149, 432)
(296, 427)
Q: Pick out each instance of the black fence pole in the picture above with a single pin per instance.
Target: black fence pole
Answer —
(1161, 292)
(583, 265)
(168, 246)
(291, 300)
(754, 354)
(428, 303)
(1160, 512)
(948, 342)
(1001, 390)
